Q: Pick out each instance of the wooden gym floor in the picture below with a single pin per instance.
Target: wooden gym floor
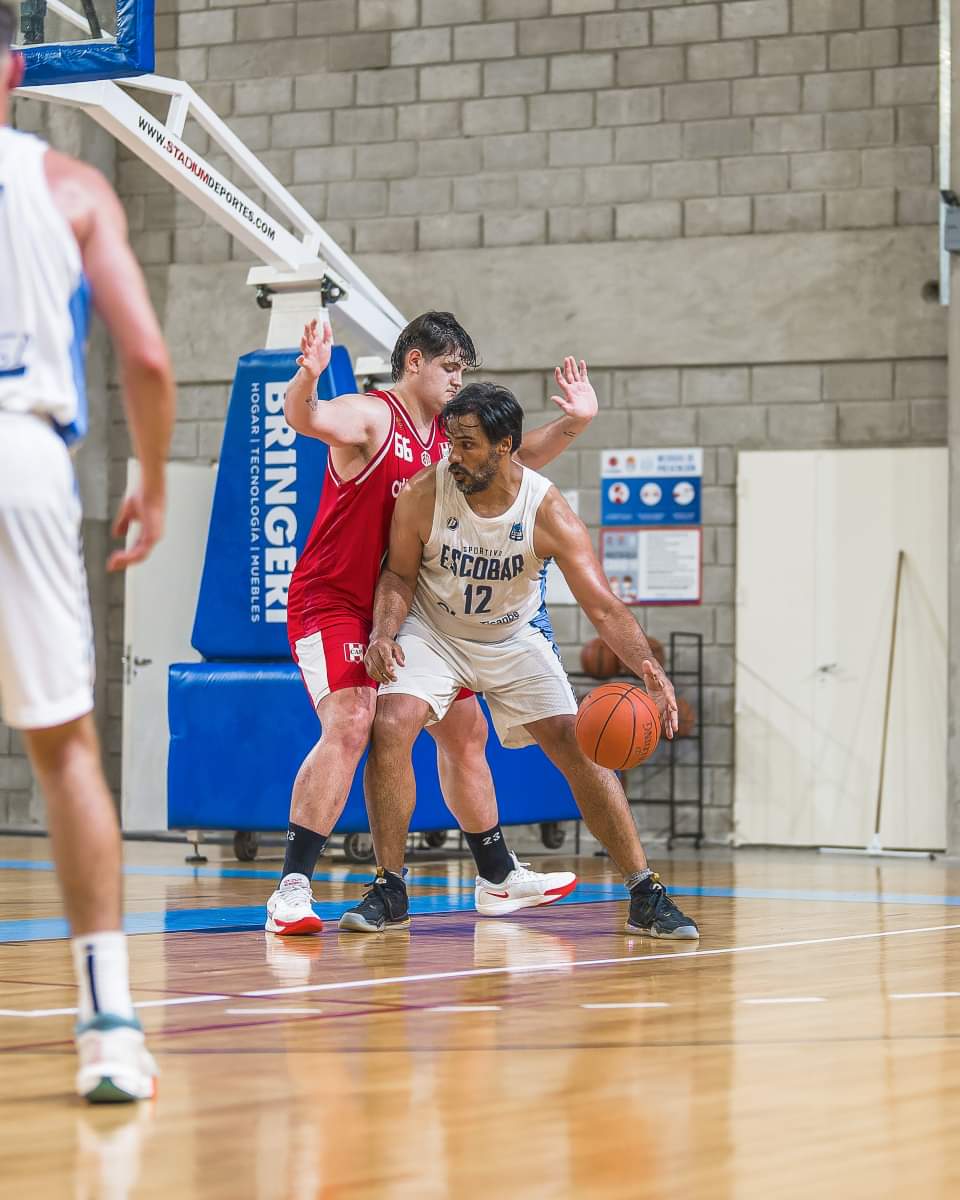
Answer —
(808, 1047)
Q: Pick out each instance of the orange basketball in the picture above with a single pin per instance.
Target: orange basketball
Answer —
(687, 718)
(618, 725)
(598, 660)
(658, 651)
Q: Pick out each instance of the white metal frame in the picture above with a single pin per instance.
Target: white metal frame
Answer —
(77, 20)
(294, 262)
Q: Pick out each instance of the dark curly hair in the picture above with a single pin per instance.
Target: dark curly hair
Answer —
(495, 407)
(433, 333)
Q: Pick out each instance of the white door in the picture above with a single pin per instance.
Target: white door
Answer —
(818, 539)
(160, 601)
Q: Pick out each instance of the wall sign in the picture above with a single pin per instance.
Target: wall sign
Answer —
(649, 565)
(651, 543)
(650, 487)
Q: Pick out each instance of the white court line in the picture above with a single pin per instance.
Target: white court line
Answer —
(37, 1012)
(920, 995)
(785, 1000)
(638, 1004)
(464, 1008)
(283, 1012)
(567, 965)
(72, 1012)
(179, 1000)
(531, 968)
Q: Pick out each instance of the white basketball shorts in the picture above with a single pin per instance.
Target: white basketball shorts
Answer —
(46, 634)
(522, 679)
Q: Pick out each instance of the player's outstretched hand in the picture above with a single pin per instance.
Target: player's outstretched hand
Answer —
(147, 511)
(577, 398)
(382, 659)
(316, 346)
(660, 690)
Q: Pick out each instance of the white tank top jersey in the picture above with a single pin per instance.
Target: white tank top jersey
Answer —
(480, 578)
(44, 296)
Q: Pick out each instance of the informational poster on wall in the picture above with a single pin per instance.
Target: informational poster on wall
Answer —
(651, 541)
(652, 566)
(650, 487)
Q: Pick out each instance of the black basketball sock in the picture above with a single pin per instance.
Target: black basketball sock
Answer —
(490, 853)
(304, 847)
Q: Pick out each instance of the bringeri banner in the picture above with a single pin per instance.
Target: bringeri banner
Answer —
(268, 486)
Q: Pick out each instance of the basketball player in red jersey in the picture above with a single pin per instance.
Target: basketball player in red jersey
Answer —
(377, 443)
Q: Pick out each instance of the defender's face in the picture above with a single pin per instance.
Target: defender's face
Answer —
(474, 460)
(437, 379)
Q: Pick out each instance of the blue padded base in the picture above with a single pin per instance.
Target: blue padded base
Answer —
(239, 732)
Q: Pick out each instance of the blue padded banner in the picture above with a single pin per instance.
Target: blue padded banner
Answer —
(74, 62)
(268, 487)
(239, 732)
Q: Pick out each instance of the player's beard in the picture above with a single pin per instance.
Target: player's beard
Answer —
(471, 482)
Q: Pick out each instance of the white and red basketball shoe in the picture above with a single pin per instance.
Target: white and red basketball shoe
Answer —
(290, 908)
(522, 888)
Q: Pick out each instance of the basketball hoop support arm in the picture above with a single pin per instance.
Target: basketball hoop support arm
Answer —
(302, 271)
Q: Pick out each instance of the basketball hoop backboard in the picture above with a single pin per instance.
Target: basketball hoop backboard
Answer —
(72, 41)
(91, 55)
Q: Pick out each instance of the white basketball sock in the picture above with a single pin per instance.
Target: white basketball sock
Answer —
(100, 963)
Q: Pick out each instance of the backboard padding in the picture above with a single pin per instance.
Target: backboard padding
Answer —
(57, 38)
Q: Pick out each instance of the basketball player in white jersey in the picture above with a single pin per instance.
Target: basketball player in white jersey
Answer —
(62, 241)
(460, 604)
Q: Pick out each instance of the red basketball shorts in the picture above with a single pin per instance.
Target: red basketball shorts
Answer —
(331, 659)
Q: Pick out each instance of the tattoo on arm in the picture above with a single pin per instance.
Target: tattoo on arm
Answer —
(313, 402)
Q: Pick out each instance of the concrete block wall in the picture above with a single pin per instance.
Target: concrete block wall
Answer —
(483, 128)
(407, 126)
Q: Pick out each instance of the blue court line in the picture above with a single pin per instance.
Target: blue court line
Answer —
(344, 876)
(215, 920)
(250, 917)
(609, 892)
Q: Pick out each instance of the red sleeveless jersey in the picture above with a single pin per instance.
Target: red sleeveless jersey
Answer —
(338, 570)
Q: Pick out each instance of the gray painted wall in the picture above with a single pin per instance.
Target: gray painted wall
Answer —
(727, 209)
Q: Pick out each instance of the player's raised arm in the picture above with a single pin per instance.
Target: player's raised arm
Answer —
(561, 535)
(578, 403)
(120, 296)
(409, 533)
(352, 420)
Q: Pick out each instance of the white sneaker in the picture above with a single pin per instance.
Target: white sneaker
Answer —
(522, 889)
(290, 908)
(115, 1065)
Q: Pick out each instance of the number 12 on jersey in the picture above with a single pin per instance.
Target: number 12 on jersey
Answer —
(481, 593)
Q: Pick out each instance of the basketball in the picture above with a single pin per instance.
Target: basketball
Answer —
(658, 651)
(599, 661)
(618, 726)
(687, 718)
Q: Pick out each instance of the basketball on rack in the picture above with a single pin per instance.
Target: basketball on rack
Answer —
(687, 718)
(599, 661)
(618, 726)
(659, 653)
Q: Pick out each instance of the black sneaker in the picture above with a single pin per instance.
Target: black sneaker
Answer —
(384, 906)
(653, 912)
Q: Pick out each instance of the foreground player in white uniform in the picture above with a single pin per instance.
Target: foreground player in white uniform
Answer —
(62, 239)
(460, 604)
